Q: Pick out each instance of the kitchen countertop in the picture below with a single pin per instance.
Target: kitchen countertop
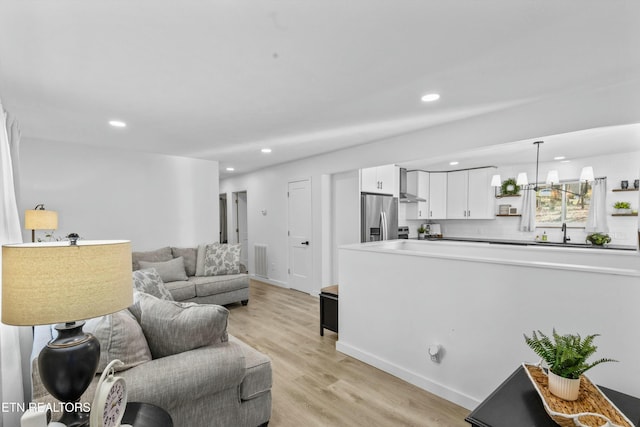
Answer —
(530, 243)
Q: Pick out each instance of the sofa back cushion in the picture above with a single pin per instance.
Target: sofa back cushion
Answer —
(162, 254)
(150, 282)
(172, 327)
(169, 271)
(189, 255)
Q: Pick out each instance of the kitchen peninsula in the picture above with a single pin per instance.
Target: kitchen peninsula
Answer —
(475, 300)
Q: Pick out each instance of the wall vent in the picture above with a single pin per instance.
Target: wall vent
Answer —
(260, 254)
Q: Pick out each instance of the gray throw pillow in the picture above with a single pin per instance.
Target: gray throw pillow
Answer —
(149, 281)
(169, 271)
(162, 254)
(120, 337)
(189, 255)
(173, 327)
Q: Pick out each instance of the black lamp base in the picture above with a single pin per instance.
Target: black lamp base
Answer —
(67, 366)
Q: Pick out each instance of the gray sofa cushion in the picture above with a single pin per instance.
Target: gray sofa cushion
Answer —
(162, 254)
(149, 281)
(212, 285)
(190, 256)
(120, 337)
(169, 271)
(181, 290)
(173, 327)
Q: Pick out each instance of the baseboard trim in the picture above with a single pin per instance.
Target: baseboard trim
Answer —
(269, 281)
(420, 381)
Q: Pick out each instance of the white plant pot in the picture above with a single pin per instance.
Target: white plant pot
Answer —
(564, 388)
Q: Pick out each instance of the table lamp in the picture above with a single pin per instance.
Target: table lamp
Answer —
(66, 283)
(40, 219)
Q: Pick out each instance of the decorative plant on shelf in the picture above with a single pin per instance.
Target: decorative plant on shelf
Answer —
(566, 356)
(598, 238)
(421, 231)
(622, 207)
(509, 187)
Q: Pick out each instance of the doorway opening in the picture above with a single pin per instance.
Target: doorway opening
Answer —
(223, 218)
(240, 225)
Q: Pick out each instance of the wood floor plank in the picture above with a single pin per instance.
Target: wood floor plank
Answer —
(315, 385)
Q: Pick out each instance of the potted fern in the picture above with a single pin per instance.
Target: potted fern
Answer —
(566, 356)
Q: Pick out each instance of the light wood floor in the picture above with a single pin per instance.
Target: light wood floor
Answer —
(313, 384)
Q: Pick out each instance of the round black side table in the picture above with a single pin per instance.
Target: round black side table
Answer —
(140, 414)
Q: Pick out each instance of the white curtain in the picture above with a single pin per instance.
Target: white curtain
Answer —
(597, 219)
(11, 360)
(528, 219)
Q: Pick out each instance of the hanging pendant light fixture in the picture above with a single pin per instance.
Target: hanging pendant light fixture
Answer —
(586, 175)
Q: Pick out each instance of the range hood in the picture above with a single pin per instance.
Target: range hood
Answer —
(404, 196)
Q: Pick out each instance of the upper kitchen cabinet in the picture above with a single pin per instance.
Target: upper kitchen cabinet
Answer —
(438, 195)
(418, 185)
(380, 179)
(469, 194)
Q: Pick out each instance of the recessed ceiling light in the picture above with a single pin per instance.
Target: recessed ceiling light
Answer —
(565, 161)
(430, 97)
(266, 150)
(230, 169)
(559, 158)
(117, 123)
(453, 163)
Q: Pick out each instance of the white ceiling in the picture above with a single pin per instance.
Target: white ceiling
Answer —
(221, 79)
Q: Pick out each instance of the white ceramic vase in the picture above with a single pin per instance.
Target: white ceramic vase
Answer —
(564, 388)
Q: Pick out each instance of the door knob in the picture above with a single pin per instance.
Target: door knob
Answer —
(305, 243)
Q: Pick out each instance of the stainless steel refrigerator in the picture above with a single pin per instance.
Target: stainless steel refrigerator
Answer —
(378, 217)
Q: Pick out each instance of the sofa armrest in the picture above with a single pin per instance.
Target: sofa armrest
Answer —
(171, 380)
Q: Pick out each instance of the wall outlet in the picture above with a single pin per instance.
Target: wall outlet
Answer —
(435, 351)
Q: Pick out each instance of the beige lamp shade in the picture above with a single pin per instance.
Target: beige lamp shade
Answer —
(40, 219)
(56, 282)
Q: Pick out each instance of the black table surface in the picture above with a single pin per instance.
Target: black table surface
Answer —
(517, 403)
(146, 415)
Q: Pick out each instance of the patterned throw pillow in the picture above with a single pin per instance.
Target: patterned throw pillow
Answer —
(221, 259)
(149, 281)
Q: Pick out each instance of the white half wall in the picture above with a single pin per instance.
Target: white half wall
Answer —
(153, 200)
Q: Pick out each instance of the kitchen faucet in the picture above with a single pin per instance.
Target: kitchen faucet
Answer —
(565, 239)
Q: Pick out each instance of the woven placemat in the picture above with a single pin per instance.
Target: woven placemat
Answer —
(590, 401)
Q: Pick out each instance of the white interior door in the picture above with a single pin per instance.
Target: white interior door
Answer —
(299, 213)
(242, 233)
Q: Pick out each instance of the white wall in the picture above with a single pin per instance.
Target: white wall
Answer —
(477, 301)
(153, 200)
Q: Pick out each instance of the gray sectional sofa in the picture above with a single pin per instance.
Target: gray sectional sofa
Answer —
(192, 285)
(177, 356)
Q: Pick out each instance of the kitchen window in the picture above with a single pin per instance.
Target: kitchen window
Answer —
(562, 203)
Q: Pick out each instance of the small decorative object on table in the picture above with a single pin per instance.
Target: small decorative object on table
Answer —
(566, 356)
(598, 239)
(110, 399)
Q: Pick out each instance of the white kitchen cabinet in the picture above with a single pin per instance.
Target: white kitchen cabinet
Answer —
(418, 185)
(469, 194)
(438, 195)
(380, 179)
